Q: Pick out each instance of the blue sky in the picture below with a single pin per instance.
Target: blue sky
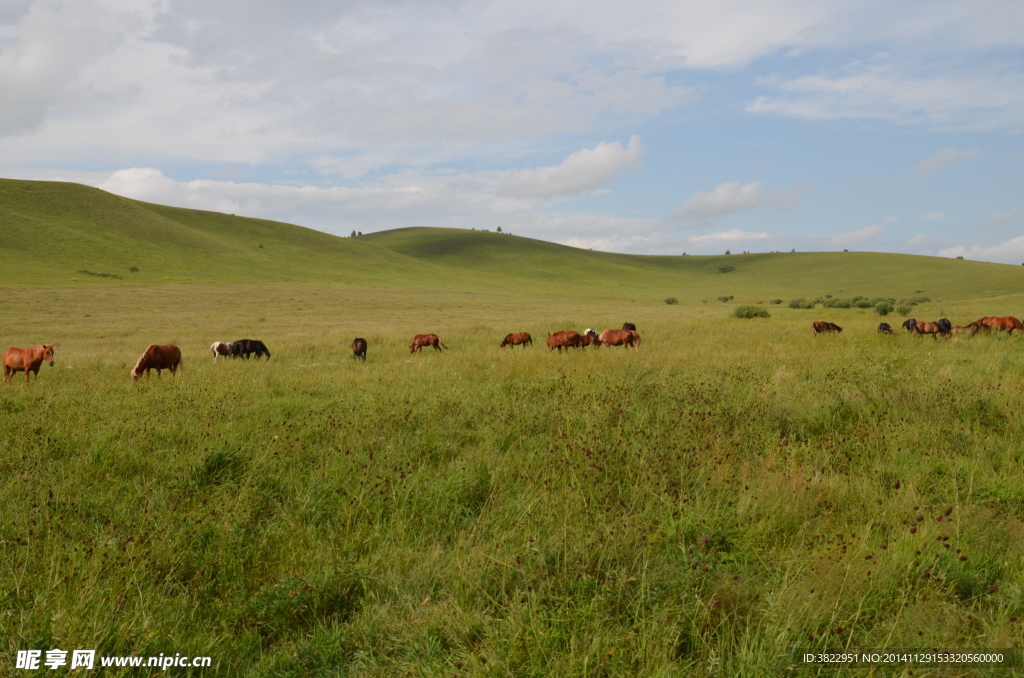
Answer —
(647, 127)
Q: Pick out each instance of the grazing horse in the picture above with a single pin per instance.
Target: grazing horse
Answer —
(629, 326)
(27, 360)
(421, 340)
(922, 328)
(821, 326)
(219, 348)
(1006, 323)
(563, 339)
(944, 325)
(884, 328)
(518, 339)
(621, 338)
(909, 324)
(244, 347)
(157, 358)
(589, 337)
(359, 349)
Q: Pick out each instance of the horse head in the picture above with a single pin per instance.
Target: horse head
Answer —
(48, 353)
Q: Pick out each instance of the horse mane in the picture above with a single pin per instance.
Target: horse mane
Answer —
(137, 370)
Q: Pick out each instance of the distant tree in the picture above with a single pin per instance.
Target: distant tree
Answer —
(353, 234)
(499, 229)
(728, 252)
(793, 250)
(360, 233)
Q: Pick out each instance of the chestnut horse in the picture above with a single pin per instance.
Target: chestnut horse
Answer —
(27, 360)
(517, 339)
(421, 340)
(589, 337)
(621, 338)
(934, 329)
(359, 349)
(1006, 323)
(821, 326)
(563, 339)
(157, 358)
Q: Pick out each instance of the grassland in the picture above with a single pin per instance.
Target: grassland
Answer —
(734, 490)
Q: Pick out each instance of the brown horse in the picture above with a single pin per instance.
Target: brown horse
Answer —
(1006, 323)
(589, 337)
(563, 339)
(968, 330)
(27, 360)
(359, 349)
(621, 338)
(421, 340)
(518, 339)
(157, 358)
(935, 329)
(820, 327)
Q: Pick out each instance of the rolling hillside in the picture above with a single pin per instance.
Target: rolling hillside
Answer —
(51, 233)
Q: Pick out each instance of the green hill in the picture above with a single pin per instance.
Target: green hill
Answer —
(68, 234)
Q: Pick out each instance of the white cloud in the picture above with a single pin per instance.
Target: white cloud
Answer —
(943, 159)
(933, 216)
(580, 173)
(917, 240)
(1010, 251)
(732, 197)
(733, 234)
(964, 101)
(855, 237)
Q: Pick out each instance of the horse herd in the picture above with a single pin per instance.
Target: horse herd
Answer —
(168, 356)
(942, 327)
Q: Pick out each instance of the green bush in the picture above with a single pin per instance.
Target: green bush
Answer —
(775, 301)
(800, 302)
(750, 311)
(671, 301)
(837, 303)
(724, 298)
(883, 308)
(904, 309)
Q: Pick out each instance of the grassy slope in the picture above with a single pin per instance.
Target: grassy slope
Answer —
(50, 231)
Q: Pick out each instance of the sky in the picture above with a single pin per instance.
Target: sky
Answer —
(648, 127)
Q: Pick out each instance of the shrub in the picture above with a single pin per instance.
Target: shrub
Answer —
(750, 311)
(863, 303)
(883, 308)
(726, 269)
(800, 302)
(133, 269)
(837, 303)
(671, 301)
(775, 301)
(904, 309)
(724, 298)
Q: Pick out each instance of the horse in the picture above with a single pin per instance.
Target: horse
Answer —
(944, 325)
(518, 339)
(359, 349)
(922, 328)
(909, 324)
(244, 347)
(589, 337)
(821, 326)
(563, 339)
(27, 360)
(884, 328)
(157, 358)
(969, 330)
(629, 326)
(219, 348)
(1006, 323)
(421, 340)
(621, 338)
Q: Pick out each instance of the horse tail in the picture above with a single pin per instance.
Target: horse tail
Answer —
(637, 337)
(441, 343)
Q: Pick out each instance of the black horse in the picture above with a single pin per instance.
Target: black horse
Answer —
(910, 325)
(245, 347)
(945, 326)
(884, 328)
(629, 326)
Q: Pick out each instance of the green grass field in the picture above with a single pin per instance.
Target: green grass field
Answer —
(731, 493)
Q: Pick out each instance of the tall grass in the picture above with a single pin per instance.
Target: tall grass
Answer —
(729, 492)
